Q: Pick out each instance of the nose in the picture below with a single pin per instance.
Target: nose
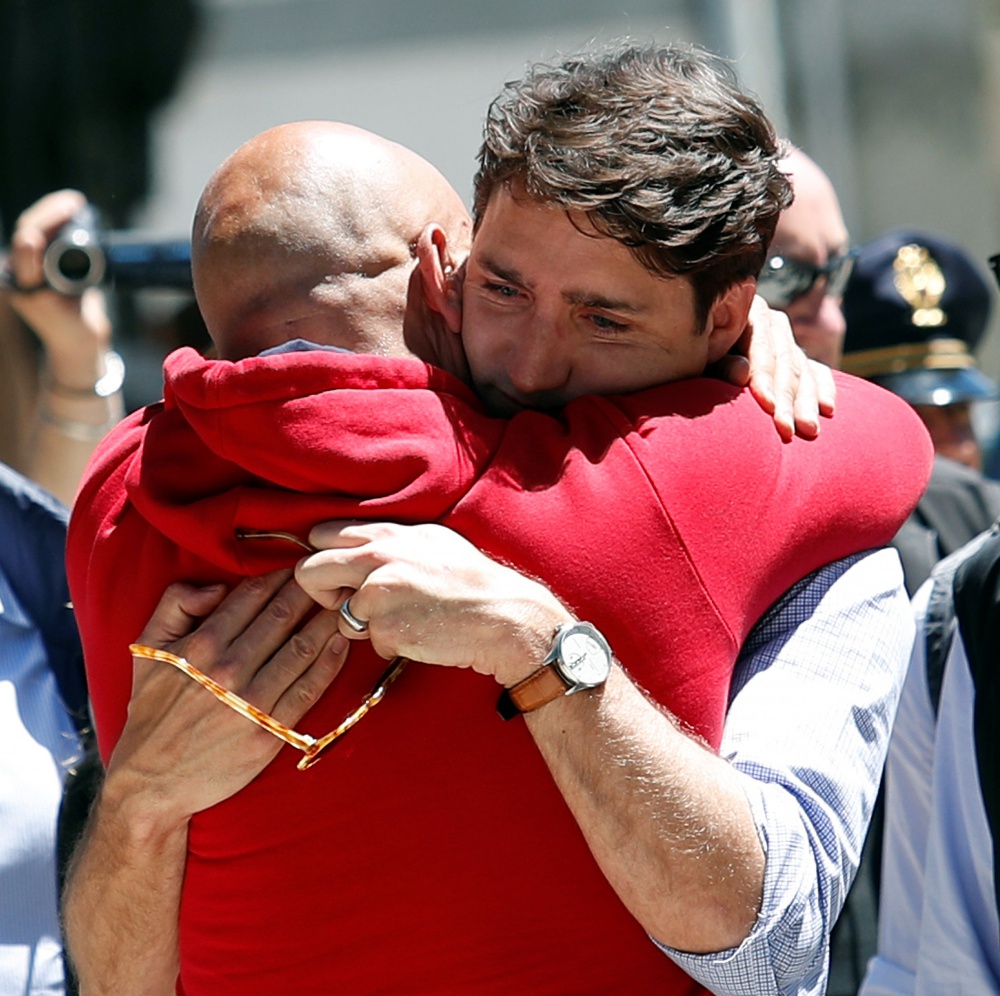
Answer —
(540, 361)
(831, 325)
(831, 318)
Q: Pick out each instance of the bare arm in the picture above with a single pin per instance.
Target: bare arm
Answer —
(665, 818)
(182, 751)
(121, 904)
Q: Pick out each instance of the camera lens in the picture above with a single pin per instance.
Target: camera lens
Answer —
(74, 264)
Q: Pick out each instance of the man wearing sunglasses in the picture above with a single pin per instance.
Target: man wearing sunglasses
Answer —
(461, 769)
(810, 262)
(808, 270)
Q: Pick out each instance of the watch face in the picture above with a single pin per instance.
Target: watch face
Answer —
(584, 658)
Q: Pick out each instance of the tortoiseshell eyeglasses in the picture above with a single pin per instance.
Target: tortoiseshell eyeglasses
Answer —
(311, 747)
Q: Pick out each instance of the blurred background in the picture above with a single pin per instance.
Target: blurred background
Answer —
(137, 103)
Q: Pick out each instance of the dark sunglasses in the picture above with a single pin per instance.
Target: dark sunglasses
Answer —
(784, 279)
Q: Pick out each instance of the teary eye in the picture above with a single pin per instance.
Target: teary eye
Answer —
(501, 290)
(606, 324)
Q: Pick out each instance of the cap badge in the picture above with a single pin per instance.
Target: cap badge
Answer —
(921, 284)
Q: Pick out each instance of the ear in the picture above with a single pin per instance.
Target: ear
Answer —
(439, 274)
(727, 318)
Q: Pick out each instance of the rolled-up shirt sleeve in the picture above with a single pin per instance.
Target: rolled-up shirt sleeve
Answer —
(814, 695)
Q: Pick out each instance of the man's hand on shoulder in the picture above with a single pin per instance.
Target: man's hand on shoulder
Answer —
(797, 391)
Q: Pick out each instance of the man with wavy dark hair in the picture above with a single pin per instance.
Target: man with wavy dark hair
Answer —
(623, 208)
(655, 156)
(658, 147)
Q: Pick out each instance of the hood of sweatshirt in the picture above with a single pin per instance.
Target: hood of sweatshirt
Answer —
(272, 444)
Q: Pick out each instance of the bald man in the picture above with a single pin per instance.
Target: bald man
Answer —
(293, 238)
(809, 262)
(248, 452)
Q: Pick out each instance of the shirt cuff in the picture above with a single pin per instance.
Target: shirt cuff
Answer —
(784, 953)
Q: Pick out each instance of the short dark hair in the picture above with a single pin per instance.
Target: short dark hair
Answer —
(658, 146)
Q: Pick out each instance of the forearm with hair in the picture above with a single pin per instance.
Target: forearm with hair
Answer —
(122, 899)
(664, 817)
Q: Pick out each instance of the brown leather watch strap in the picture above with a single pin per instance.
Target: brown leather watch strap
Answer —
(537, 689)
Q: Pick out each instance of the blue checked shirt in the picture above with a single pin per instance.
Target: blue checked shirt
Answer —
(814, 694)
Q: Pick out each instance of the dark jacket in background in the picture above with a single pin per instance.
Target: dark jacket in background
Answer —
(958, 504)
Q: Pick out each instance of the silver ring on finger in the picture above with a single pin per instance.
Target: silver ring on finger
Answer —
(358, 625)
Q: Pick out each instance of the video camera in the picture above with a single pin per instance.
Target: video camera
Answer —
(83, 255)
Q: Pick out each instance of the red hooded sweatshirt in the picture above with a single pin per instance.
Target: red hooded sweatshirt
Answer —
(430, 851)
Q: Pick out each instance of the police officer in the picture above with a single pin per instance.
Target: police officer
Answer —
(916, 307)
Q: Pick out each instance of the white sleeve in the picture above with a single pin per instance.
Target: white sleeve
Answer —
(814, 696)
(959, 944)
(909, 767)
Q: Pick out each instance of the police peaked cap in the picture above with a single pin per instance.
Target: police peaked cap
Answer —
(916, 307)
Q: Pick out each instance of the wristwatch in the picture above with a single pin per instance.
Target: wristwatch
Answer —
(580, 658)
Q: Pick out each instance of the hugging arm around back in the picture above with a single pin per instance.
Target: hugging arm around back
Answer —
(747, 855)
(656, 862)
(839, 638)
(181, 752)
(691, 626)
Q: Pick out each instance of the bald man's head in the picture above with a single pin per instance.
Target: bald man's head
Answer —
(310, 230)
(811, 230)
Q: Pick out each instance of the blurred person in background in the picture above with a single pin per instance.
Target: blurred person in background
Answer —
(44, 729)
(60, 382)
(847, 310)
(79, 83)
(939, 930)
(916, 308)
(809, 261)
